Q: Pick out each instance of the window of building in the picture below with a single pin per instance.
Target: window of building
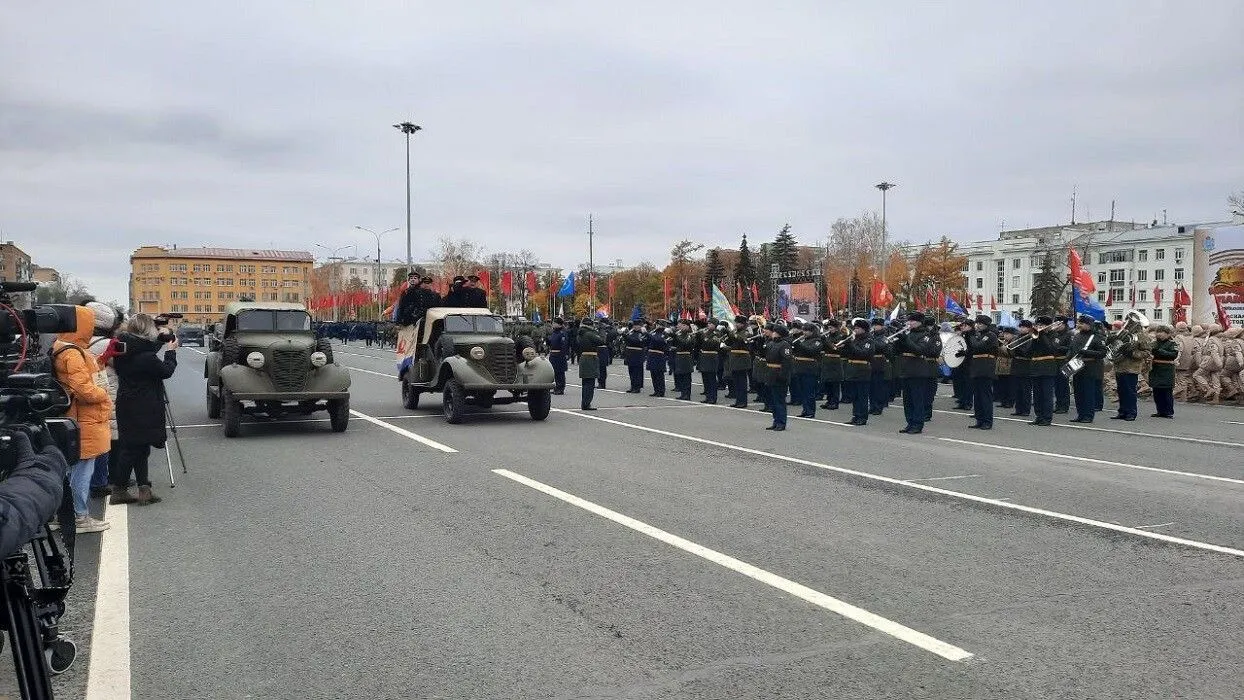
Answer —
(1142, 256)
(1101, 297)
(247, 269)
(1179, 255)
(1142, 295)
(1159, 254)
(980, 282)
(177, 267)
(1142, 275)
(1117, 277)
(965, 265)
(1014, 298)
(1157, 314)
(1114, 256)
(221, 308)
(224, 281)
(1179, 274)
(1101, 278)
(1016, 263)
(269, 269)
(1159, 275)
(202, 267)
(980, 265)
(1015, 281)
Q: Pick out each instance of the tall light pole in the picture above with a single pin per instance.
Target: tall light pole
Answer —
(379, 267)
(884, 187)
(333, 258)
(408, 129)
(591, 267)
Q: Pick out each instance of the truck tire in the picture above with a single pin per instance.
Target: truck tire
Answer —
(325, 346)
(213, 403)
(410, 396)
(539, 403)
(231, 411)
(455, 402)
(229, 352)
(339, 414)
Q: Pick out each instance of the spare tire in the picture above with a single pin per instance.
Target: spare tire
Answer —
(229, 352)
(325, 346)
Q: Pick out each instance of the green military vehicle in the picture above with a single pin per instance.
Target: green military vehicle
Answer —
(464, 355)
(265, 360)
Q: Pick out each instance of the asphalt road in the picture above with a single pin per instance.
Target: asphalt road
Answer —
(663, 549)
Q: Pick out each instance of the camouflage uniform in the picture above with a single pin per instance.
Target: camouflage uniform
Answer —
(1183, 364)
(1232, 363)
(1198, 340)
(1208, 376)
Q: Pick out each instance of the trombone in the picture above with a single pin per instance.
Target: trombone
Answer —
(1020, 342)
(891, 338)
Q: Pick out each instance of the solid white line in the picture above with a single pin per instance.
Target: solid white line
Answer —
(946, 478)
(1203, 441)
(1146, 527)
(1090, 460)
(1001, 503)
(387, 375)
(821, 600)
(403, 432)
(108, 677)
(1233, 422)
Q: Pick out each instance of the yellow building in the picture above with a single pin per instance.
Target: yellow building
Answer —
(198, 282)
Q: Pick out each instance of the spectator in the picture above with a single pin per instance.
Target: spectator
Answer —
(76, 369)
(103, 347)
(140, 405)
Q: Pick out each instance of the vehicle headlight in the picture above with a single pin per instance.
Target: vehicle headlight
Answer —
(318, 359)
(477, 353)
(255, 359)
(529, 354)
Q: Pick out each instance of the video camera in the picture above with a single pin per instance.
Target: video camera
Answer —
(33, 403)
(161, 322)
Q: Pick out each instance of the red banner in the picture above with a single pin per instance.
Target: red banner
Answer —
(1181, 297)
(1157, 296)
(507, 283)
(612, 289)
(1079, 276)
(532, 284)
(1109, 297)
(993, 303)
(980, 303)
(1224, 320)
(755, 293)
(485, 280)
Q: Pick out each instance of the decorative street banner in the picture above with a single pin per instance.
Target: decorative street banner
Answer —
(1218, 276)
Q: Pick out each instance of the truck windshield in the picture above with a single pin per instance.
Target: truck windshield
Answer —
(264, 320)
(473, 324)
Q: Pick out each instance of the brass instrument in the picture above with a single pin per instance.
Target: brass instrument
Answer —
(1122, 340)
(1020, 341)
(891, 338)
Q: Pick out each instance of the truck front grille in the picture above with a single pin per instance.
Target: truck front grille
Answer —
(290, 368)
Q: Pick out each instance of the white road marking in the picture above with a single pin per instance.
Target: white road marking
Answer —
(946, 478)
(1203, 441)
(108, 677)
(1234, 422)
(1146, 527)
(821, 600)
(999, 502)
(403, 432)
(1090, 460)
(387, 375)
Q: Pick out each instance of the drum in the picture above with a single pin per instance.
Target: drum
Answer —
(1073, 365)
(952, 345)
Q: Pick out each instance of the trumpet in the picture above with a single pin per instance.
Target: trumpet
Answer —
(1020, 342)
(838, 345)
(891, 338)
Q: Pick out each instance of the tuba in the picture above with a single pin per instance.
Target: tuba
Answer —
(1121, 341)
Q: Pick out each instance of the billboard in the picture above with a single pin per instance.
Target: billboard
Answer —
(800, 300)
(1218, 274)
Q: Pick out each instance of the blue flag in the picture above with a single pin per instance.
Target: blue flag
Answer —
(567, 287)
(1087, 305)
(953, 306)
(636, 313)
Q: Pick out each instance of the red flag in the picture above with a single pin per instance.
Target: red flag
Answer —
(738, 292)
(929, 299)
(612, 288)
(1223, 319)
(485, 280)
(1109, 297)
(881, 294)
(1181, 297)
(993, 303)
(703, 293)
(755, 292)
(1079, 276)
(507, 283)
(1157, 295)
(941, 299)
(967, 301)
(980, 303)
(532, 284)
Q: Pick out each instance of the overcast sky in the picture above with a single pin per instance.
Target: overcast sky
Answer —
(268, 124)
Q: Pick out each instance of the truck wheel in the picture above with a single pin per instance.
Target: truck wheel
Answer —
(339, 414)
(231, 410)
(229, 352)
(410, 396)
(325, 346)
(539, 402)
(213, 404)
(455, 402)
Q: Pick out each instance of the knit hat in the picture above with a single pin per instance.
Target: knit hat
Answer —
(105, 317)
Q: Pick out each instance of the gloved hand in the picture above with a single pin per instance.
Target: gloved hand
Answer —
(32, 493)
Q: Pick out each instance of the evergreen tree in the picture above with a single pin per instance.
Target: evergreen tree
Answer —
(856, 296)
(744, 269)
(1047, 288)
(713, 269)
(762, 274)
(785, 249)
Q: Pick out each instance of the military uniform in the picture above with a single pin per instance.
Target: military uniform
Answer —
(657, 347)
(1086, 384)
(760, 371)
(1046, 361)
(738, 361)
(1162, 375)
(609, 336)
(878, 387)
(1021, 372)
(912, 354)
(983, 344)
(708, 361)
(684, 365)
(1003, 385)
(1062, 387)
(831, 368)
(806, 356)
(859, 352)
(1184, 362)
(559, 350)
(960, 377)
(634, 356)
(1232, 364)
(588, 342)
(778, 356)
(1128, 363)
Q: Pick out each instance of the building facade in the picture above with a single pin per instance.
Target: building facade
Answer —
(198, 282)
(1134, 266)
(15, 264)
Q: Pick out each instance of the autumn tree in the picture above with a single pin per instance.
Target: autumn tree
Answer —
(938, 267)
(457, 256)
(1236, 203)
(686, 274)
(66, 290)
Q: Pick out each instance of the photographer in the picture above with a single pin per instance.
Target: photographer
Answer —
(140, 404)
(76, 369)
(31, 493)
(103, 347)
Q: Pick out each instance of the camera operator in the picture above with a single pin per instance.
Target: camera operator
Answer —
(140, 403)
(76, 369)
(103, 347)
(31, 494)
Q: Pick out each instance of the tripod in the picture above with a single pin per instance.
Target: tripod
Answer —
(172, 423)
(30, 613)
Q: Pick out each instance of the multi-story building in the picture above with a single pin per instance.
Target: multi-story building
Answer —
(14, 263)
(1134, 266)
(44, 275)
(198, 282)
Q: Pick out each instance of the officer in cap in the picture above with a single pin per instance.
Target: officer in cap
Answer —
(657, 348)
(588, 341)
(778, 360)
(858, 353)
(559, 352)
(983, 345)
(634, 354)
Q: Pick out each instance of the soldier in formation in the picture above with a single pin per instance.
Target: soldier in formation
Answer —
(588, 341)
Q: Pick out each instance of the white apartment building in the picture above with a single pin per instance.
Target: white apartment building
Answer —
(1124, 258)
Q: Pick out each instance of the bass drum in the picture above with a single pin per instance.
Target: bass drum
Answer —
(952, 345)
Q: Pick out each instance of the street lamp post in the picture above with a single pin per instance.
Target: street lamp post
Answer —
(884, 187)
(333, 257)
(408, 129)
(379, 268)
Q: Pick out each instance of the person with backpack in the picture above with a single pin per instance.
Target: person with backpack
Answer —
(76, 369)
(140, 405)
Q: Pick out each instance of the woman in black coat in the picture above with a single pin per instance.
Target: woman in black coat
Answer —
(140, 405)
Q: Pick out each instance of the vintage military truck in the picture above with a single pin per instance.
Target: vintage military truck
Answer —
(265, 360)
(464, 355)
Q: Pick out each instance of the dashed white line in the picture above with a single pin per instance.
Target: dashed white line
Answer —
(403, 432)
(999, 502)
(1134, 433)
(821, 600)
(108, 677)
(1090, 460)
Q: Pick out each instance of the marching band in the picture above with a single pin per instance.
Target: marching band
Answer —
(1034, 368)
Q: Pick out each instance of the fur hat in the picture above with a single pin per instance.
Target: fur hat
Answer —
(1085, 318)
(984, 320)
(1025, 324)
(1198, 330)
(860, 323)
(1044, 321)
(106, 320)
(782, 331)
(1232, 332)
(1181, 326)
(915, 316)
(1163, 329)
(1214, 329)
